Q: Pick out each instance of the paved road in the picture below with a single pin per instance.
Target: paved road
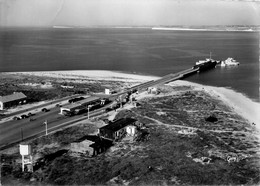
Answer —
(39, 106)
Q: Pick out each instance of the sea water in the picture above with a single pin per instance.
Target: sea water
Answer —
(135, 50)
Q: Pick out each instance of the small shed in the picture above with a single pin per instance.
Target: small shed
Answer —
(119, 128)
(82, 147)
(11, 100)
(152, 90)
(107, 91)
(91, 145)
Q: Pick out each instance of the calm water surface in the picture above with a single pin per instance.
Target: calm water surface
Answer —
(142, 51)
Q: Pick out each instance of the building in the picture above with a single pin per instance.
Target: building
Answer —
(90, 145)
(92, 100)
(70, 108)
(118, 129)
(81, 105)
(153, 90)
(82, 147)
(16, 98)
(107, 91)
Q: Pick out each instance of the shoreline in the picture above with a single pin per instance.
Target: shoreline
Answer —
(240, 104)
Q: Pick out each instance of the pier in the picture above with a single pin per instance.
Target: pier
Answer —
(176, 76)
(165, 79)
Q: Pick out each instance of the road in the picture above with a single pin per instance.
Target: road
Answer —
(40, 106)
(12, 132)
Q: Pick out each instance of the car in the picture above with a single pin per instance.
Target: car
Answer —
(32, 119)
(16, 118)
(58, 105)
(24, 116)
(45, 110)
(29, 114)
(108, 109)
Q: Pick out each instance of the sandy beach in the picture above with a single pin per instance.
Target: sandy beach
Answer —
(91, 75)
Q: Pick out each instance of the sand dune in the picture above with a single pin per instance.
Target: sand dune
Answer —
(241, 104)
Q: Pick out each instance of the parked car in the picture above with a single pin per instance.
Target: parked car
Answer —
(75, 99)
(24, 116)
(58, 105)
(45, 110)
(16, 118)
(108, 109)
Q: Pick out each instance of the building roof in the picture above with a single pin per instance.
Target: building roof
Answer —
(71, 106)
(12, 97)
(102, 95)
(88, 100)
(119, 124)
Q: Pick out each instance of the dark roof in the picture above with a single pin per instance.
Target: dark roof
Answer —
(87, 137)
(119, 124)
(12, 97)
(102, 95)
(88, 100)
(72, 106)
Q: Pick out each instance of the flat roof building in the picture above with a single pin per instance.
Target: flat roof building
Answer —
(88, 100)
(92, 100)
(11, 100)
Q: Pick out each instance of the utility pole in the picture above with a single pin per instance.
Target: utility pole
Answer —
(46, 127)
(88, 112)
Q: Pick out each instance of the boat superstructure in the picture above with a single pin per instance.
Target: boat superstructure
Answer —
(204, 65)
(204, 61)
(229, 62)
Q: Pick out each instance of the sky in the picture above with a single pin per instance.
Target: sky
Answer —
(128, 12)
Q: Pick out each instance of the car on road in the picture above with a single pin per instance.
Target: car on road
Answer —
(58, 105)
(16, 118)
(24, 116)
(108, 109)
(75, 99)
(45, 110)
(32, 119)
(30, 114)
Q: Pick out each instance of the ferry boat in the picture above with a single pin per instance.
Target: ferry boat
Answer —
(200, 62)
(229, 62)
(203, 61)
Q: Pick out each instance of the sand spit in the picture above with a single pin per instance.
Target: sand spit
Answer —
(90, 74)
